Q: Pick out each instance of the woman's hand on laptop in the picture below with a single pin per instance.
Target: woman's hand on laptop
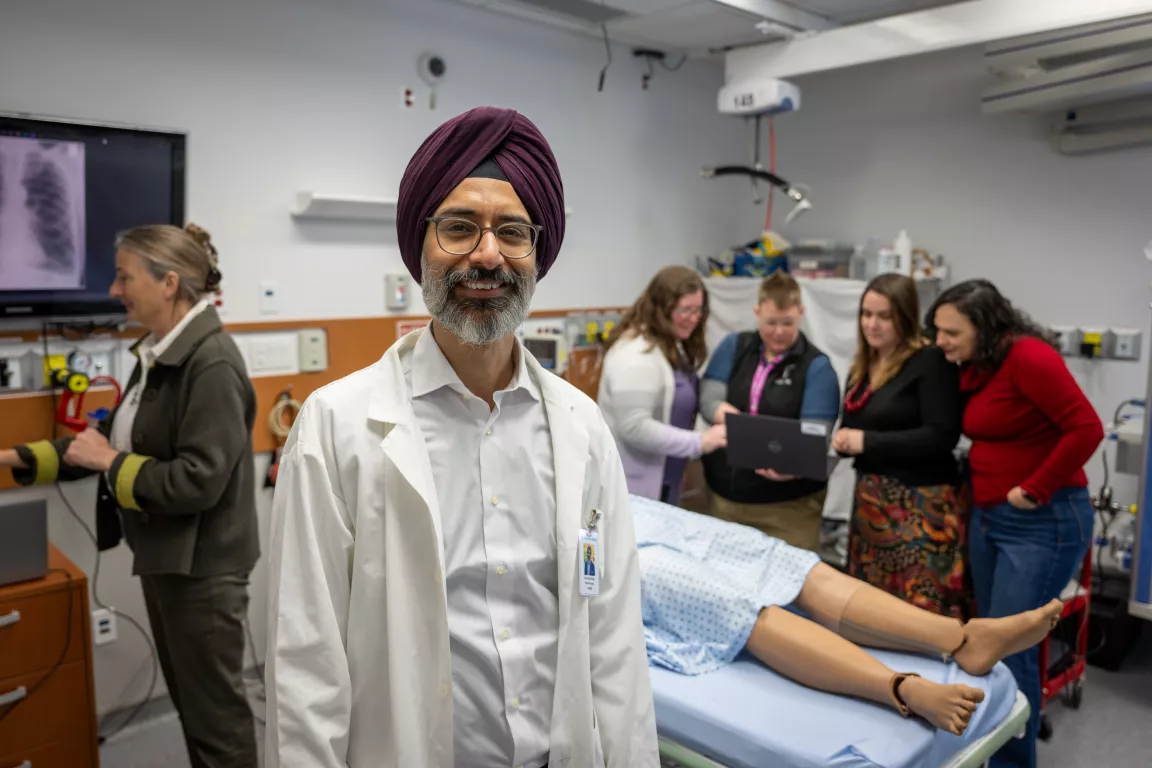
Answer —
(849, 442)
(771, 474)
(723, 410)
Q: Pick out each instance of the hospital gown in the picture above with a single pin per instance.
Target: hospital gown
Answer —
(704, 582)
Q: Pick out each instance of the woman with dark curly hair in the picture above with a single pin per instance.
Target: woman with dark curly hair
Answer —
(1032, 431)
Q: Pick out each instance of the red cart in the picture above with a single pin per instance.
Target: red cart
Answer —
(1065, 679)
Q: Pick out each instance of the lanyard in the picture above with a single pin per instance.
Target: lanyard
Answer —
(760, 379)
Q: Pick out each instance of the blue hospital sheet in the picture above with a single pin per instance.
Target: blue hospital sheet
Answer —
(703, 583)
(747, 716)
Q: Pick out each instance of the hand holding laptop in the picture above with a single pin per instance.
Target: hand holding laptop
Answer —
(771, 474)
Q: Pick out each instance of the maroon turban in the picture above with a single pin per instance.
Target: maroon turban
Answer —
(460, 146)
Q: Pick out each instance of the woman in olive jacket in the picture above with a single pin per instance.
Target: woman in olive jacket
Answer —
(177, 477)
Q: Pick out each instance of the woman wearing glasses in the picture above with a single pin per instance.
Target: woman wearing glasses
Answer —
(649, 389)
(772, 371)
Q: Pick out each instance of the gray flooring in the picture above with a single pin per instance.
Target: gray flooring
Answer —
(1112, 729)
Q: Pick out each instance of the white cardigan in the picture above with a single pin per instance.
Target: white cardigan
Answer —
(637, 387)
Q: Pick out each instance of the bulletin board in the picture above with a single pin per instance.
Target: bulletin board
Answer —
(353, 343)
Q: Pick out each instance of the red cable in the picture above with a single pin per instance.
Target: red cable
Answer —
(108, 379)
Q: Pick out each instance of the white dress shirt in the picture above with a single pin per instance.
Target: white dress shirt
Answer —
(495, 483)
(149, 349)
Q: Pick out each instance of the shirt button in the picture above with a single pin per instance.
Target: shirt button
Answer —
(494, 500)
(501, 570)
(488, 432)
(467, 396)
(507, 633)
(516, 702)
(443, 690)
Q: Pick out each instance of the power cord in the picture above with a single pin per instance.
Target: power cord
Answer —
(100, 604)
(59, 661)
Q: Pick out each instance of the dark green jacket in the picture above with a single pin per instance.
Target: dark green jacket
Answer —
(186, 495)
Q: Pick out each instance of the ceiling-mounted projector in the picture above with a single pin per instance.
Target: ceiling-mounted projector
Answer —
(759, 97)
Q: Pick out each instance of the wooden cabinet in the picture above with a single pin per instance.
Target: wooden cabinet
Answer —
(46, 671)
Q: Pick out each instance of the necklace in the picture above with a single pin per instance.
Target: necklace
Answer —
(857, 397)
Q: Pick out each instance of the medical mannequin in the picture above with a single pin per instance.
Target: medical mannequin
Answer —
(712, 589)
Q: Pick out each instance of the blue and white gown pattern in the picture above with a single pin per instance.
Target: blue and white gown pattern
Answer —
(704, 582)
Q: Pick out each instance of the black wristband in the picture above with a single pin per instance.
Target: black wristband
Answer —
(1029, 497)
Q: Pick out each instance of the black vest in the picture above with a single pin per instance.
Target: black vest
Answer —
(783, 396)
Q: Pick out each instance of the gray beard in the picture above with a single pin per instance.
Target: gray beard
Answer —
(477, 322)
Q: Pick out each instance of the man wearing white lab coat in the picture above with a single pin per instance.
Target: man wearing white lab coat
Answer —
(428, 604)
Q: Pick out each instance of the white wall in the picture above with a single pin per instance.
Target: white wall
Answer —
(299, 94)
(903, 145)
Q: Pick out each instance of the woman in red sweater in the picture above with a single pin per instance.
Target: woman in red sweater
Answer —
(1032, 431)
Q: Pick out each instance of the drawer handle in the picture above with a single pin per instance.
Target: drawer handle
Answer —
(8, 620)
(13, 696)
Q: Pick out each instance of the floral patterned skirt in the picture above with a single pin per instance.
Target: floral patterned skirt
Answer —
(911, 542)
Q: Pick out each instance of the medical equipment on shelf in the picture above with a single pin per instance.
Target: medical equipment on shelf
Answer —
(1140, 592)
(548, 341)
(74, 383)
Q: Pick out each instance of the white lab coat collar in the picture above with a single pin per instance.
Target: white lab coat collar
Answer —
(432, 371)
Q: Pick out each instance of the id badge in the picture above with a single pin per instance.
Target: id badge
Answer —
(589, 563)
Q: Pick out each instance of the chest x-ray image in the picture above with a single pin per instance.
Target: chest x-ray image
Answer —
(41, 214)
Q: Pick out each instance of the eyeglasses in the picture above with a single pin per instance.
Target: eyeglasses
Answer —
(460, 237)
(688, 311)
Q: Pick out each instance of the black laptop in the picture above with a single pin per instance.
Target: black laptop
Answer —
(789, 446)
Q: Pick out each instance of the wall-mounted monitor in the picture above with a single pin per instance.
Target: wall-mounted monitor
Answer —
(66, 189)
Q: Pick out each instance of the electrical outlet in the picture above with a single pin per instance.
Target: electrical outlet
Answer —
(103, 626)
(313, 351)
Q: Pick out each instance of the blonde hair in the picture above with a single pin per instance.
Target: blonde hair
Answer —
(187, 252)
(781, 289)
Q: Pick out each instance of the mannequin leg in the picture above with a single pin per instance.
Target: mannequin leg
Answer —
(813, 656)
(863, 614)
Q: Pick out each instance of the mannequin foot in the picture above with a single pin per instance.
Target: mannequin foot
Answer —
(987, 641)
(947, 707)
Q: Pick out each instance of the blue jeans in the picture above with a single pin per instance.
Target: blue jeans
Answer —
(1020, 560)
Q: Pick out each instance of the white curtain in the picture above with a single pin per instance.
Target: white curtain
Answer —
(830, 310)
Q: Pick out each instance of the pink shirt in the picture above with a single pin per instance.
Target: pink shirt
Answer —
(759, 379)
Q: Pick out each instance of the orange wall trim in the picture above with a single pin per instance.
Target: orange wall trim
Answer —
(353, 343)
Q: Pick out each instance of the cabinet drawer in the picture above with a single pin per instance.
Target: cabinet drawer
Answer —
(55, 712)
(75, 752)
(33, 631)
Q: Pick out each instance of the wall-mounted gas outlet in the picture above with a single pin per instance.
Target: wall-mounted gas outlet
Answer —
(1126, 344)
(11, 374)
(103, 626)
(1068, 340)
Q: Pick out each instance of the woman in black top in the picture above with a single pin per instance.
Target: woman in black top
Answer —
(901, 423)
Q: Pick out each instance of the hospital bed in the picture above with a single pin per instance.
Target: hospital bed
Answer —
(744, 715)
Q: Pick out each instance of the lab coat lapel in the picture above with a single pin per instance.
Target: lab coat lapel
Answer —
(404, 445)
(570, 455)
